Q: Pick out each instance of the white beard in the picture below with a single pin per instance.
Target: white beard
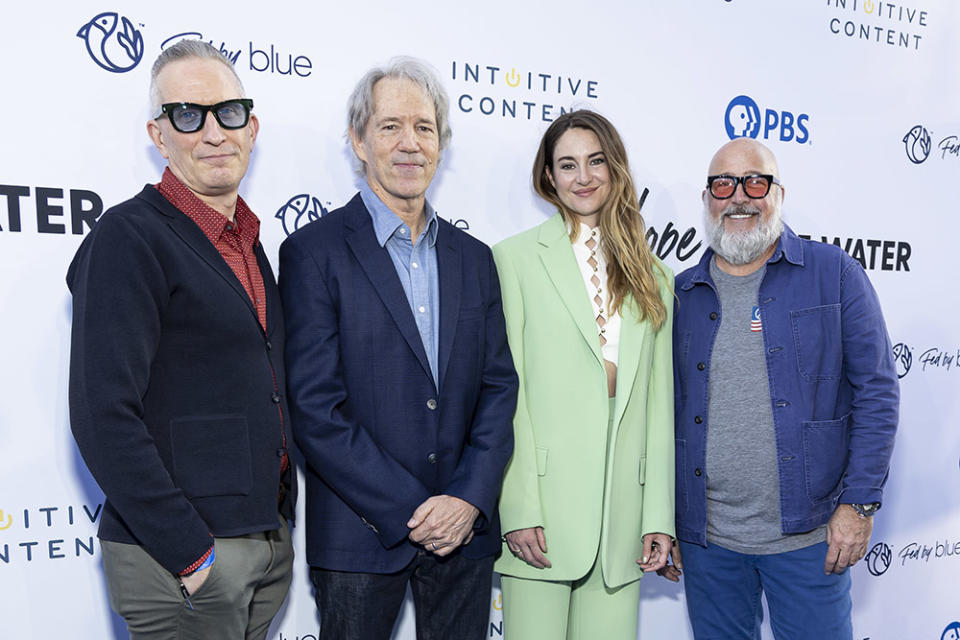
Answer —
(743, 247)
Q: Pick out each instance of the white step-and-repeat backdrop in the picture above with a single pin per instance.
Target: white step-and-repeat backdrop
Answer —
(859, 99)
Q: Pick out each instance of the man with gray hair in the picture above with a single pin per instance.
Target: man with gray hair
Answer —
(401, 382)
(786, 410)
(177, 389)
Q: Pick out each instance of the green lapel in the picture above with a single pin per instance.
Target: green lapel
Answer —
(556, 253)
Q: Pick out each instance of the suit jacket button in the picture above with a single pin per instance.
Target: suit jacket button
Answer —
(269, 346)
(698, 420)
(713, 315)
(697, 472)
(432, 458)
(275, 398)
(701, 366)
(431, 404)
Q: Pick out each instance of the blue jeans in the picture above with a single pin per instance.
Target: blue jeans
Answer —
(451, 597)
(723, 591)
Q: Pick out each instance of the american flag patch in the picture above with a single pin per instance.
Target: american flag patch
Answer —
(755, 324)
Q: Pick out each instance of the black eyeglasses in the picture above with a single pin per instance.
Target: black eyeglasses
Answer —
(187, 117)
(755, 185)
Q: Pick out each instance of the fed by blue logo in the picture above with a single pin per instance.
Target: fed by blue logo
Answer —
(917, 144)
(113, 42)
(299, 211)
(745, 119)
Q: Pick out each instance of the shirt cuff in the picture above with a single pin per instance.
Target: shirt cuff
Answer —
(202, 562)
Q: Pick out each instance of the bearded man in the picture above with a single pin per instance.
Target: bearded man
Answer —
(786, 409)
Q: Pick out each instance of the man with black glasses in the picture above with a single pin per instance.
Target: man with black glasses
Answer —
(177, 375)
(786, 410)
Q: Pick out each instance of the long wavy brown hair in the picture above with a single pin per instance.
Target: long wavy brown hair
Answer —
(630, 263)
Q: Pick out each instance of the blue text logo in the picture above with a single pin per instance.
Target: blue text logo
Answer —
(745, 119)
(115, 49)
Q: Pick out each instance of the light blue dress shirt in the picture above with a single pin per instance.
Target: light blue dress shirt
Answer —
(416, 266)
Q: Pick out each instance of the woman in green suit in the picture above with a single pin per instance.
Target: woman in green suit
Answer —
(587, 502)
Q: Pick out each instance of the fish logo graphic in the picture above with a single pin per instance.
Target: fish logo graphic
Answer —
(878, 560)
(903, 358)
(115, 49)
(917, 142)
(299, 211)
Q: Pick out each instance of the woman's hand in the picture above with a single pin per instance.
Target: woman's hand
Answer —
(529, 545)
(656, 548)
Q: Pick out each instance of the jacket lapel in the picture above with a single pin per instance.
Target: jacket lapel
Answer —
(379, 269)
(558, 259)
(449, 268)
(632, 334)
(193, 236)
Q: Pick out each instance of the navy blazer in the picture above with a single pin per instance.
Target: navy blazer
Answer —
(378, 436)
(176, 391)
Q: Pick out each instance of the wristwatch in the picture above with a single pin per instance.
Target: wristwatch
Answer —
(866, 510)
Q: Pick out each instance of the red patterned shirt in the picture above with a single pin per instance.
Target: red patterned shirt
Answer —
(234, 240)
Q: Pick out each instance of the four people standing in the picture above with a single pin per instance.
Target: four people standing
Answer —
(407, 406)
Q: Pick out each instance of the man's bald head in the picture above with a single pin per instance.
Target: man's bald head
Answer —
(743, 230)
(744, 151)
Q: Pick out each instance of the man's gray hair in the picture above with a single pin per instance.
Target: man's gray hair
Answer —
(181, 51)
(360, 106)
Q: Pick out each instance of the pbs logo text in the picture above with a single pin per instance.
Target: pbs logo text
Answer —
(745, 118)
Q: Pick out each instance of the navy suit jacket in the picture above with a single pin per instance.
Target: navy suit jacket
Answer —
(378, 437)
(176, 391)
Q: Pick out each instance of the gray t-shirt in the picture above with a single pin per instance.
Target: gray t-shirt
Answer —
(743, 486)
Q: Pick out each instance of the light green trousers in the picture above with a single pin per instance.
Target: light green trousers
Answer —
(584, 609)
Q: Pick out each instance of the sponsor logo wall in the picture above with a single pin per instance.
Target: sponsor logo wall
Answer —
(854, 96)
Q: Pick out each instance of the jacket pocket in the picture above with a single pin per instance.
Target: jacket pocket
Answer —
(825, 451)
(817, 338)
(211, 455)
(542, 461)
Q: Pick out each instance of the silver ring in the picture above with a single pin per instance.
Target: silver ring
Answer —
(434, 546)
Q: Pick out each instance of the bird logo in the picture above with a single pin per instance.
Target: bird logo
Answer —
(116, 50)
(299, 211)
(917, 142)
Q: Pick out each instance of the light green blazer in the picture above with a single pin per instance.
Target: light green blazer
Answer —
(559, 477)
